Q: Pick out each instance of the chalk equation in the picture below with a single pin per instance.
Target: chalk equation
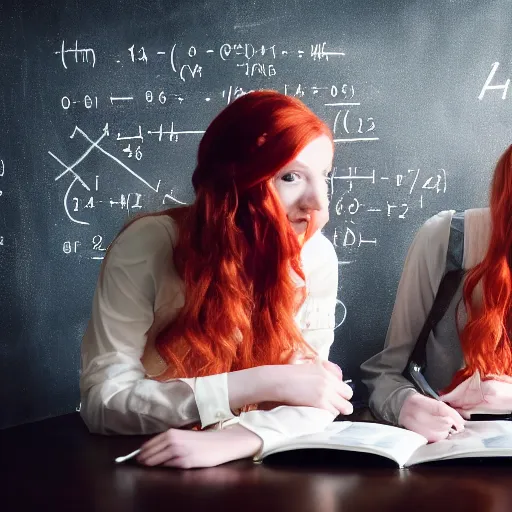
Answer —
(359, 194)
(251, 59)
(335, 95)
(71, 204)
(348, 121)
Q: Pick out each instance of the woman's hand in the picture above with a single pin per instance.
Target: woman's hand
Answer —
(305, 382)
(431, 418)
(314, 384)
(199, 449)
(491, 396)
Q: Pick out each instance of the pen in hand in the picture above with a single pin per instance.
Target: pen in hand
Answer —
(425, 388)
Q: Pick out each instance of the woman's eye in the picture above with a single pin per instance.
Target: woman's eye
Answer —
(289, 177)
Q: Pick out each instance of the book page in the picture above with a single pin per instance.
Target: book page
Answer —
(479, 439)
(391, 442)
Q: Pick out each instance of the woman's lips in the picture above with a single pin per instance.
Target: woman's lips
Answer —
(298, 220)
(300, 226)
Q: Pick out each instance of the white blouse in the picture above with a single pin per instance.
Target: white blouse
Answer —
(138, 278)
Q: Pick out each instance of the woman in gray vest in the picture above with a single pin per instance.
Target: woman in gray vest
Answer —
(468, 352)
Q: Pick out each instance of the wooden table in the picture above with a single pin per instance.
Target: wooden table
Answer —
(57, 465)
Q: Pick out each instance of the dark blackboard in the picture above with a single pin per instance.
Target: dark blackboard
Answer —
(100, 108)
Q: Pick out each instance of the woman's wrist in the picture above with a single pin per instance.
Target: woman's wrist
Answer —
(252, 386)
(245, 442)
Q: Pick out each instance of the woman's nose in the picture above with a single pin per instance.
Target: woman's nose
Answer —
(315, 198)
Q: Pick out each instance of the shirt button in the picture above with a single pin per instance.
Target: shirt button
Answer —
(308, 324)
(218, 415)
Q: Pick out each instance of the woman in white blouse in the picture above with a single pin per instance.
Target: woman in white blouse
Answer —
(202, 313)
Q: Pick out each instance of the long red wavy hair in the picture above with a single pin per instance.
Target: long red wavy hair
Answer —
(485, 339)
(236, 248)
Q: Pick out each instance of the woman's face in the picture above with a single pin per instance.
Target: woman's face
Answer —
(302, 185)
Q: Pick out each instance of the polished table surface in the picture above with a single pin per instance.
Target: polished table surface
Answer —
(57, 465)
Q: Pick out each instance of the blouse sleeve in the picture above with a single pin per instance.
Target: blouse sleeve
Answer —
(421, 276)
(316, 319)
(115, 395)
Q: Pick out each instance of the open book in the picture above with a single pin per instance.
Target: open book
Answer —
(406, 448)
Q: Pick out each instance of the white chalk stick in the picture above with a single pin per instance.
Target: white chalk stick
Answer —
(126, 457)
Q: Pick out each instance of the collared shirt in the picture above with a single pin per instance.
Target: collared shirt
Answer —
(423, 270)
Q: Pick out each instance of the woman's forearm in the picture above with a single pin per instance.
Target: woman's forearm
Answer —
(252, 386)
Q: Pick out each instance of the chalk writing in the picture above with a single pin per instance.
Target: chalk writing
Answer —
(93, 249)
(343, 93)
(81, 55)
(341, 313)
(77, 178)
(496, 86)
(410, 190)
(251, 59)
(88, 102)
